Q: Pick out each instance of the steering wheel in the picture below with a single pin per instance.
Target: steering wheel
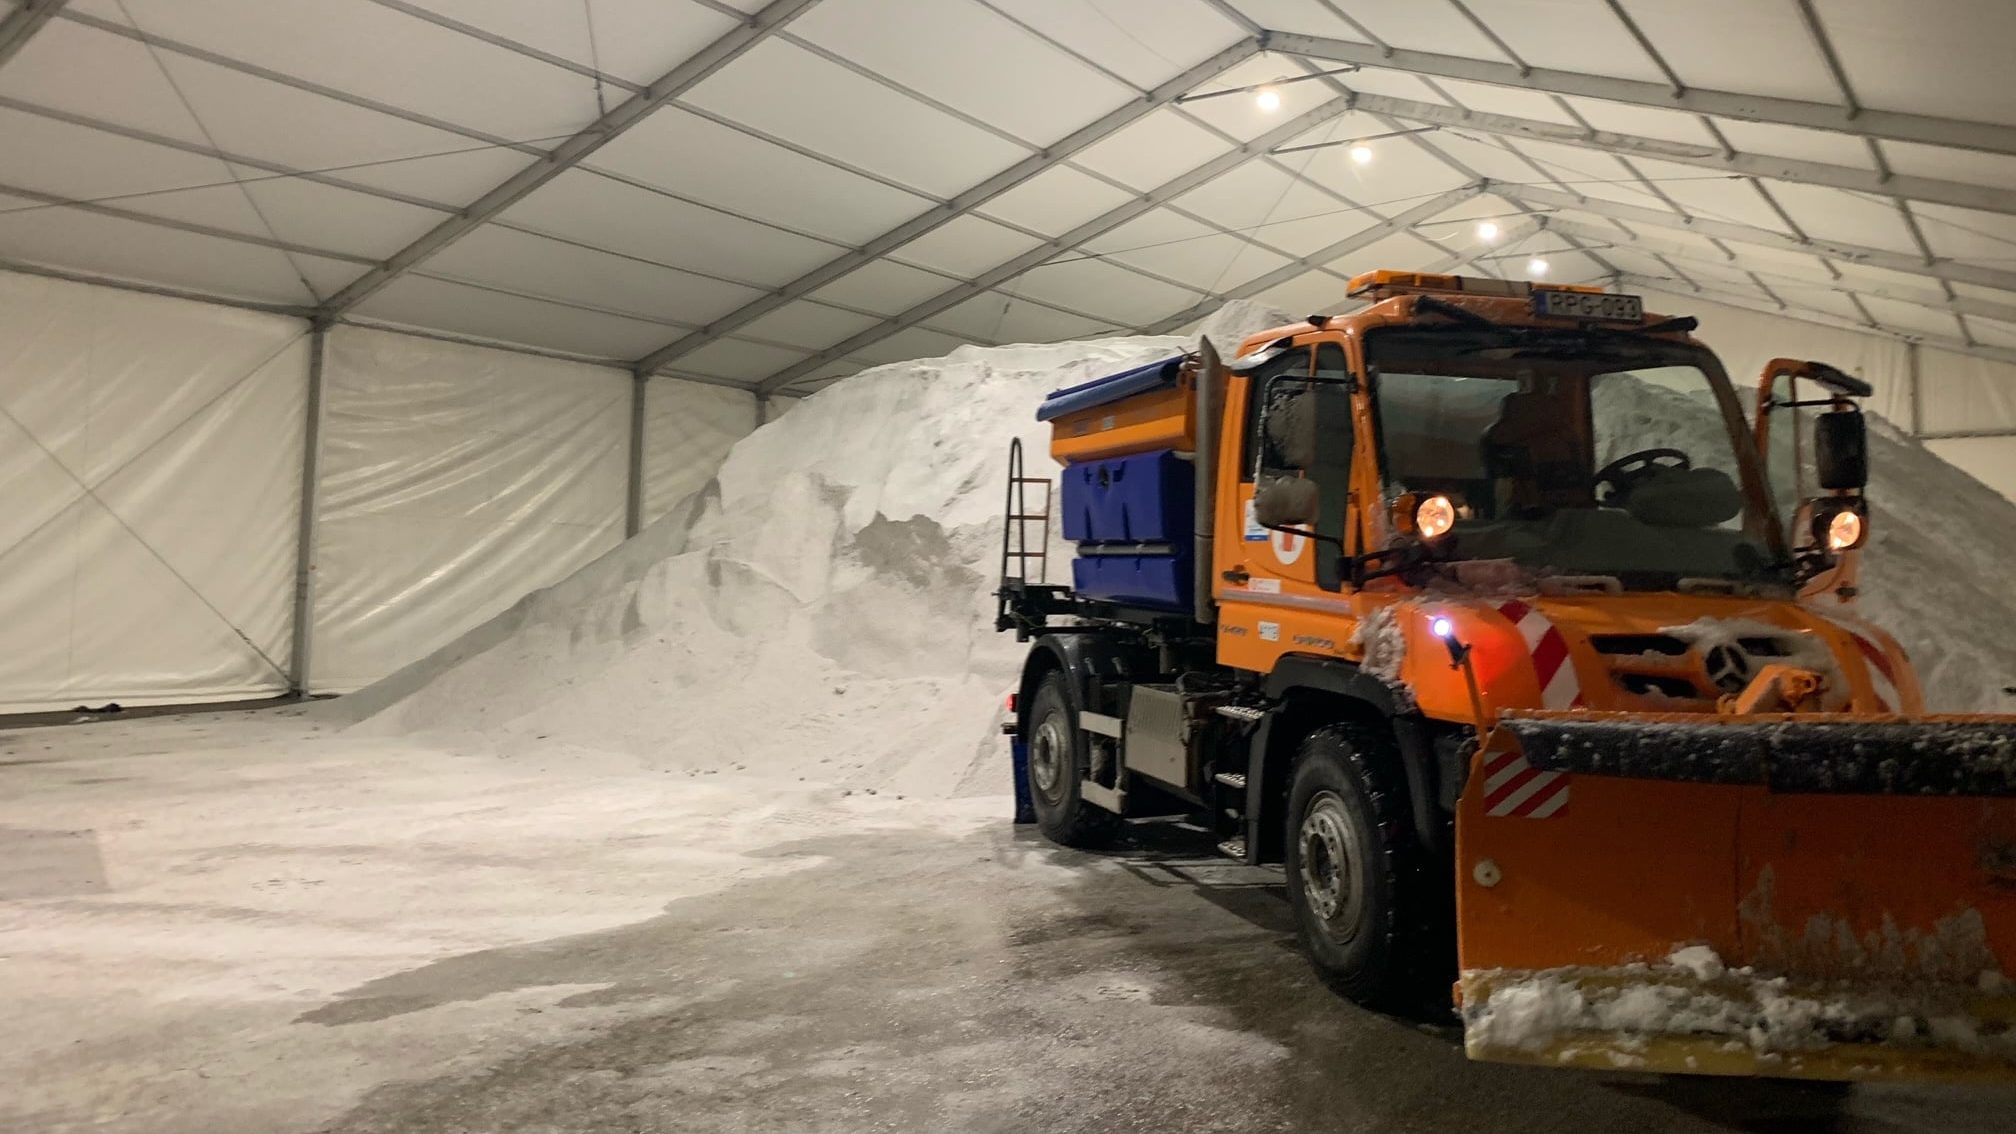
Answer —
(1624, 473)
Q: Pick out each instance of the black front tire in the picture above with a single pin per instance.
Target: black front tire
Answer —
(1372, 906)
(1057, 762)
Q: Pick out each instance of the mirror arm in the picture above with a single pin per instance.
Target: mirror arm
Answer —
(1306, 533)
(1409, 556)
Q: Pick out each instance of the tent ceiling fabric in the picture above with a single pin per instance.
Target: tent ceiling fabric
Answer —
(771, 194)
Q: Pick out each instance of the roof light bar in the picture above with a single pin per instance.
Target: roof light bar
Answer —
(1386, 282)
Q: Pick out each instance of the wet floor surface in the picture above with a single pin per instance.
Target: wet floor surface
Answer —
(392, 941)
(908, 986)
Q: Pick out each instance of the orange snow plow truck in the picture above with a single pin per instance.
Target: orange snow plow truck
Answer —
(1487, 612)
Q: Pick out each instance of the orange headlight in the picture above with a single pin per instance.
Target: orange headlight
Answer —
(1434, 516)
(1428, 515)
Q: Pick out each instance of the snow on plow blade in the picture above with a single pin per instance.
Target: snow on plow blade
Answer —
(1806, 896)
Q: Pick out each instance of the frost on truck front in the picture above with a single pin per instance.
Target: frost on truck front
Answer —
(1476, 608)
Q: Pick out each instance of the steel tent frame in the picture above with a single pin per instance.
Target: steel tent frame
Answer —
(1496, 125)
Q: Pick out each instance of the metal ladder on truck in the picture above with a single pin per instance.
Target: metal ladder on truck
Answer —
(1024, 601)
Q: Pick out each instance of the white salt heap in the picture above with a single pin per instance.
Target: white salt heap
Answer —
(823, 609)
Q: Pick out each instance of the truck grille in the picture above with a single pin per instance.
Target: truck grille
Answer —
(1667, 667)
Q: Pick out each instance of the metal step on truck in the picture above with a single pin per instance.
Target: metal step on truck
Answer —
(1475, 609)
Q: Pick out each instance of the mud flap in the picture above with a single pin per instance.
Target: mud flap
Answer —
(1018, 760)
(1748, 896)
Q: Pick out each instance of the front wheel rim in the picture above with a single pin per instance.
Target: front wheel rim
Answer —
(1326, 841)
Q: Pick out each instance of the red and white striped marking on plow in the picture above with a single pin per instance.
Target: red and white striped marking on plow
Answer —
(1882, 676)
(1512, 787)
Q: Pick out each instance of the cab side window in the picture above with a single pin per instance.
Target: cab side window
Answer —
(1333, 422)
(1267, 399)
(1330, 464)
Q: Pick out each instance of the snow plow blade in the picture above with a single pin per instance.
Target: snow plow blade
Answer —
(1807, 896)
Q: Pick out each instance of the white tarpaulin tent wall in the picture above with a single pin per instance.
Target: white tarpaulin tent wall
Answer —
(690, 428)
(450, 477)
(151, 460)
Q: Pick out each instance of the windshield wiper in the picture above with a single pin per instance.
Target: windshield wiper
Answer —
(1681, 323)
(1460, 314)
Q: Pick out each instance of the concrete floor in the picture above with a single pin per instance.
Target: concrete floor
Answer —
(228, 925)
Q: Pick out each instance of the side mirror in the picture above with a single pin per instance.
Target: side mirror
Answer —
(1841, 450)
(1285, 502)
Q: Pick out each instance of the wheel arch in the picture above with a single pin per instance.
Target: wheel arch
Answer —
(1308, 693)
(1081, 657)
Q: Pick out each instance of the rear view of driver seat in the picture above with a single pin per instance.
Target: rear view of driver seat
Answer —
(1533, 445)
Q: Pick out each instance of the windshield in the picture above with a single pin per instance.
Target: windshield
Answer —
(1572, 452)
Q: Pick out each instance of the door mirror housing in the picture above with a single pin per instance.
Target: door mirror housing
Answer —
(1841, 450)
(1285, 502)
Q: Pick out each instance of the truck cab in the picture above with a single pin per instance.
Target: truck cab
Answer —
(1452, 441)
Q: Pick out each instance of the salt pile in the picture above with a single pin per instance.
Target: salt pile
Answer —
(822, 609)
(1936, 573)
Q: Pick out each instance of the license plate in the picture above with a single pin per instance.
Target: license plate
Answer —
(1583, 305)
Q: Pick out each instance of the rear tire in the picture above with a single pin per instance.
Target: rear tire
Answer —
(1372, 909)
(1057, 763)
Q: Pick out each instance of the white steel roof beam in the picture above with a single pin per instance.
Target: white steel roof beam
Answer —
(53, 200)
(22, 23)
(320, 178)
(244, 68)
(370, 324)
(1884, 124)
(1113, 218)
(27, 269)
(1826, 319)
(1950, 270)
(1645, 44)
(282, 170)
(1933, 189)
(1246, 235)
(1652, 245)
(514, 46)
(1463, 168)
(135, 134)
(567, 154)
(935, 218)
(1316, 261)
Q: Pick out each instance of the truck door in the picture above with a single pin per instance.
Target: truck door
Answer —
(1266, 557)
(1294, 421)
